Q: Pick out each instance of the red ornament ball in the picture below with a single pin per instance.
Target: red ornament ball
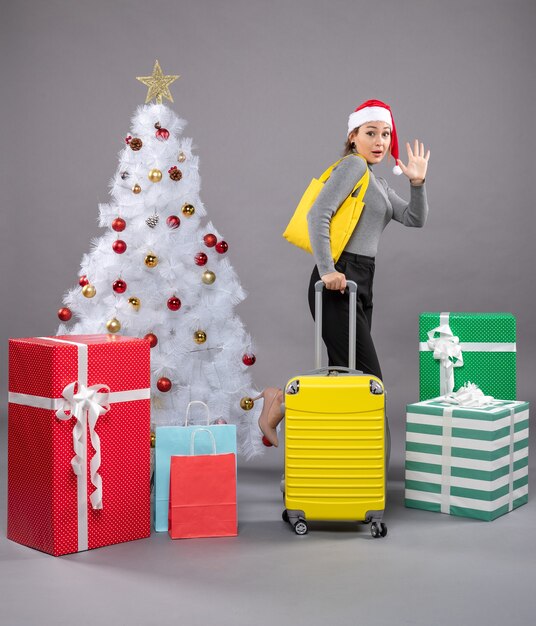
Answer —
(210, 240)
(83, 280)
(119, 246)
(65, 314)
(222, 247)
(201, 258)
(249, 359)
(267, 443)
(162, 134)
(173, 221)
(174, 304)
(163, 384)
(152, 339)
(119, 286)
(119, 224)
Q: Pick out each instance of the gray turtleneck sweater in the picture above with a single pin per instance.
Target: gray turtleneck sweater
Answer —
(382, 205)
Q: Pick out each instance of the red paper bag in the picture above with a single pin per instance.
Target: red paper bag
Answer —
(202, 494)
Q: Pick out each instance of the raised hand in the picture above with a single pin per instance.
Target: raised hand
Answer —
(417, 162)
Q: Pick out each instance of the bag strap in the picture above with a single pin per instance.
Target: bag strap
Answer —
(327, 173)
(192, 440)
(363, 182)
(188, 411)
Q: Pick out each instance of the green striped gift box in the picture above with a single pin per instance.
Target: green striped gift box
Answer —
(488, 347)
(471, 462)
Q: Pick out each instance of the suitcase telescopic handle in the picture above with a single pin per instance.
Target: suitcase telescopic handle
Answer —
(352, 287)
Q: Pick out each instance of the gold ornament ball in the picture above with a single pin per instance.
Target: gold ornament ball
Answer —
(88, 291)
(246, 404)
(113, 325)
(153, 439)
(136, 188)
(208, 277)
(134, 302)
(182, 157)
(155, 176)
(151, 260)
(200, 336)
(188, 209)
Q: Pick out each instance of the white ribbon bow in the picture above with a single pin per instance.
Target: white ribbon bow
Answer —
(469, 395)
(447, 350)
(86, 405)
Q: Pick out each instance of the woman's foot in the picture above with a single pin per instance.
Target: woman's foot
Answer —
(271, 414)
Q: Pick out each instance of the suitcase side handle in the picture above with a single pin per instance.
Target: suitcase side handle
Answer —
(352, 287)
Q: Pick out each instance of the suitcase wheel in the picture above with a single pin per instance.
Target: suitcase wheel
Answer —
(378, 530)
(300, 527)
(285, 515)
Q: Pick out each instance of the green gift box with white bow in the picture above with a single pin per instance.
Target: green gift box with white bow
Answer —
(455, 348)
(467, 461)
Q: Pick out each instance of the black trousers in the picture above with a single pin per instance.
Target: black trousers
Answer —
(335, 307)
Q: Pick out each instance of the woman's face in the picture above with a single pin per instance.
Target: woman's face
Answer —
(372, 140)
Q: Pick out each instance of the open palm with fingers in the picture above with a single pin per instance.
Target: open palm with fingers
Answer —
(417, 162)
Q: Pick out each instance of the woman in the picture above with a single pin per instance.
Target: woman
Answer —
(371, 136)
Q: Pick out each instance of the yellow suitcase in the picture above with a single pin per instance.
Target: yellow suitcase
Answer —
(335, 450)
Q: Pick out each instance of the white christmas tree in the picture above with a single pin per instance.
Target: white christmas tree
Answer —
(161, 272)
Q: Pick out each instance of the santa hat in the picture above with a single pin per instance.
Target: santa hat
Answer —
(376, 111)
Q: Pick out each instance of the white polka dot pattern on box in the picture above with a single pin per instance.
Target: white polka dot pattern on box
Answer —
(29, 499)
(42, 487)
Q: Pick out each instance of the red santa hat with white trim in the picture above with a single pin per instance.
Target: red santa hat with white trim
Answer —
(376, 111)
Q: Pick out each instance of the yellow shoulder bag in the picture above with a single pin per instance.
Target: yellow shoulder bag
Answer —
(343, 221)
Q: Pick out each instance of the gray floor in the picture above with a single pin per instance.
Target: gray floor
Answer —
(430, 570)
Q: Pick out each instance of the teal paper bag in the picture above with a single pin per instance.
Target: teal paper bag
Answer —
(175, 440)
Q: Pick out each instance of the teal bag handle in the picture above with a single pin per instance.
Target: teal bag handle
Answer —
(188, 411)
(192, 440)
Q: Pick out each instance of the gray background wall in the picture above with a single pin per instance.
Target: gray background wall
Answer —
(267, 87)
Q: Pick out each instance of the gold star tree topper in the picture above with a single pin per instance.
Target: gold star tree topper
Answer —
(158, 84)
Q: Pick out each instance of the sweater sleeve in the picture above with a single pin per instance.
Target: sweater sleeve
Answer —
(412, 213)
(336, 189)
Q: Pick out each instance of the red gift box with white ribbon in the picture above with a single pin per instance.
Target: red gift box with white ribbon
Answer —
(78, 441)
